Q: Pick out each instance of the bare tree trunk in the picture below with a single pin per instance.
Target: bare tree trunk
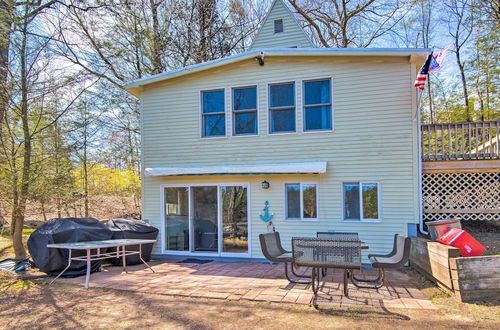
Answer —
(15, 198)
(85, 180)
(44, 213)
(464, 86)
(481, 101)
(206, 15)
(3, 222)
(157, 44)
(5, 31)
(461, 28)
(57, 148)
(20, 208)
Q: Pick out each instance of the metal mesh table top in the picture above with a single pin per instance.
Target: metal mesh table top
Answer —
(342, 236)
(326, 253)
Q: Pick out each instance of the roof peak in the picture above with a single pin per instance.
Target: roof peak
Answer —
(280, 28)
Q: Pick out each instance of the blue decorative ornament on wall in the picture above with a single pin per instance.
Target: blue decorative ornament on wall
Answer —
(266, 216)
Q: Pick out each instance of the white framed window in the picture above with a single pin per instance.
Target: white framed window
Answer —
(317, 105)
(281, 101)
(301, 201)
(278, 25)
(245, 111)
(361, 201)
(213, 113)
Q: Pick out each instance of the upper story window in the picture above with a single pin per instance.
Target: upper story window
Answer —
(361, 201)
(245, 111)
(278, 25)
(282, 108)
(301, 201)
(213, 113)
(317, 105)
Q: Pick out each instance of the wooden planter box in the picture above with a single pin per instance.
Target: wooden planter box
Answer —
(472, 278)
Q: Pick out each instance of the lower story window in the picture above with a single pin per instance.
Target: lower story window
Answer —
(361, 201)
(301, 201)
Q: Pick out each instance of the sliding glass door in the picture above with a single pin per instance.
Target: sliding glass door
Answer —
(177, 218)
(234, 219)
(206, 219)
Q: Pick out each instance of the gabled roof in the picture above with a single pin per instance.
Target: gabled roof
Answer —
(415, 55)
(293, 34)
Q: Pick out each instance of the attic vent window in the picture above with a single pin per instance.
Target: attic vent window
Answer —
(278, 25)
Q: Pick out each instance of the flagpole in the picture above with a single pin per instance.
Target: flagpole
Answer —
(419, 97)
(425, 70)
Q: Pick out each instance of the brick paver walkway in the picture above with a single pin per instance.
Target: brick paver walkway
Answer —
(254, 281)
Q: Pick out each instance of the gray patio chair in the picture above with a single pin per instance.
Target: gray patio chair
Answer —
(394, 260)
(272, 249)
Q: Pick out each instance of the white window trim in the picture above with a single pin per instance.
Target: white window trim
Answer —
(219, 220)
(285, 206)
(362, 219)
(233, 112)
(268, 106)
(303, 81)
(200, 97)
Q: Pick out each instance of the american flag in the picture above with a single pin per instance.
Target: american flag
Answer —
(424, 71)
(439, 59)
(433, 62)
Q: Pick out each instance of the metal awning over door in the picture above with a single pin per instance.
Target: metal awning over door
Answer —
(286, 168)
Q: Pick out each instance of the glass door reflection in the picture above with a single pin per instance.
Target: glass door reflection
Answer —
(234, 219)
(205, 219)
(177, 218)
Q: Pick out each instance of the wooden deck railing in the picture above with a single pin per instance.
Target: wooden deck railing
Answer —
(461, 141)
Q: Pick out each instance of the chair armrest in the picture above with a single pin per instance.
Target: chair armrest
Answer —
(378, 256)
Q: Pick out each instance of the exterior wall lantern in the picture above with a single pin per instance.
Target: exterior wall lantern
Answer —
(265, 184)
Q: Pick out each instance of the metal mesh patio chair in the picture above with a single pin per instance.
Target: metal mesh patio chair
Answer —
(272, 249)
(394, 260)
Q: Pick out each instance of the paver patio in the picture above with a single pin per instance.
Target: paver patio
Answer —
(253, 281)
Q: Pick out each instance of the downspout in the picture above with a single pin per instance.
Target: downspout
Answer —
(420, 206)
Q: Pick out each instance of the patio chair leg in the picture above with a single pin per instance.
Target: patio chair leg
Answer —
(346, 277)
(316, 279)
(297, 275)
(293, 281)
(380, 283)
(376, 280)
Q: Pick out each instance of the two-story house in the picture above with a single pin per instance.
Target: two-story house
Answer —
(327, 137)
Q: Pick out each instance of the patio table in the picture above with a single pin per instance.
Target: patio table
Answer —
(320, 253)
(97, 247)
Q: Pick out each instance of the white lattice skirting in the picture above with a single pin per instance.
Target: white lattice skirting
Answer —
(468, 195)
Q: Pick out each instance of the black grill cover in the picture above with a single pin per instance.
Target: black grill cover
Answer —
(65, 230)
(130, 228)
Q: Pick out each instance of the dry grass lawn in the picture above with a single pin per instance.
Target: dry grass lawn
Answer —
(33, 304)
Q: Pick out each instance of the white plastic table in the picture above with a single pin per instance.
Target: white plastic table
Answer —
(89, 246)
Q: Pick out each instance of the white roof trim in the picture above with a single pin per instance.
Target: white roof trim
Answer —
(290, 168)
(134, 85)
